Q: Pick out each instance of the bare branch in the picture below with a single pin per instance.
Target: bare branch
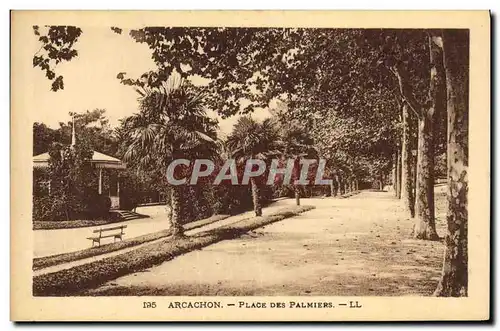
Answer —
(405, 89)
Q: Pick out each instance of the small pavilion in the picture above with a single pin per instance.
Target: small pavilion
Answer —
(100, 161)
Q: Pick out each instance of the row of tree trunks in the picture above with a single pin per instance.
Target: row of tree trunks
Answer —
(353, 185)
(341, 189)
(424, 227)
(454, 279)
(397, 173)
(341, 186)
(329, 190)
(334, 186)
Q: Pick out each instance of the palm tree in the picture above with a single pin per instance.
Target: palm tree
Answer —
(253, 140)
(296, 143)
(171, 124)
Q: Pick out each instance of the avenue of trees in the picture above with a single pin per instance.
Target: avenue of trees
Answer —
(381, 106)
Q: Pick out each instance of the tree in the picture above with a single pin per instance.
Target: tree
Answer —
(296, 142)
(71, 192)
(454, 279)
(336, 90)
(94, 126)
(234, 61)
(251, 140)
(424, 221)
(91, 126)
(172, 124)
(57, 46)
(407, 185)
(43, 137)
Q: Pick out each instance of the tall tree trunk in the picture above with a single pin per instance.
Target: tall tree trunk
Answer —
(414, 175)
(335, 185)
(407, 194)
(332, 187)
(257, 207)
(425, 227)
(398, 175)
(395, 173)
(328, 190)
(454, 279)
(297, 195)
(176, 211)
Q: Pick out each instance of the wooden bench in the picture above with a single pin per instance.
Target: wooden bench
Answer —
(118, 235)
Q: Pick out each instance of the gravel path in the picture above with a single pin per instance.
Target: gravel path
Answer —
(355, 246)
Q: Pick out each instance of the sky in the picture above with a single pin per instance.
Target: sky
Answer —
(90, 80)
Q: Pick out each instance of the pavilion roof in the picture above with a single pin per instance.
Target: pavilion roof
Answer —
(100, 160)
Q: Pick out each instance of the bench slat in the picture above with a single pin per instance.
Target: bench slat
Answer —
(112, 235)
(110, 229)
(108, 236)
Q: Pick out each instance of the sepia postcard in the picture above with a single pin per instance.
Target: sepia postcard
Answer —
(250, 165)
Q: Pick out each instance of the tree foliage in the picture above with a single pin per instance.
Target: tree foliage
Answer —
(57, 46)
(91, 126)
(71, 183)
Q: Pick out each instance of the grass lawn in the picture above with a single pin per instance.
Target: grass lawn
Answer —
(113, 217)
(55, 225)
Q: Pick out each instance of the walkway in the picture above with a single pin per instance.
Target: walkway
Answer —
(355, 246)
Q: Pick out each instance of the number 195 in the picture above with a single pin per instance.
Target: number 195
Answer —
(149, 304)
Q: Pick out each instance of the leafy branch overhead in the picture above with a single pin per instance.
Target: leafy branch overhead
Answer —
(57, 46)
(235, 62)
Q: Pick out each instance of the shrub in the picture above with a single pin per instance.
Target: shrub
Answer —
(103, 205)
(42, 208)
(128, 201)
